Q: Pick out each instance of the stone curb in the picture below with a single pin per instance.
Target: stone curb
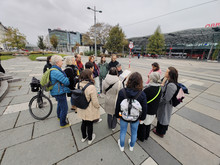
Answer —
(4, 89)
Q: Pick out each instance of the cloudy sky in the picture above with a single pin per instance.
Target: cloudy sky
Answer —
(34, 17)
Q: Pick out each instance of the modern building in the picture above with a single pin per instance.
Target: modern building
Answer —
(3, 29)
(66, 39)
(190, 43)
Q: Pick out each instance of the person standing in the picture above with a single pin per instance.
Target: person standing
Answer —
(103, 67)
(133, 89)
(153, 94)
(113, 62)
(61, 82)
(48, 64)
(71, 72)
(155, 68)
(79, 64)
(92, 112)
(111, 87)
(95, 73)
(118, 66)
(165, 108)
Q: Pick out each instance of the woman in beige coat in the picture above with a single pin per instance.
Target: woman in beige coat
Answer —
(111, 86)
(92, 112)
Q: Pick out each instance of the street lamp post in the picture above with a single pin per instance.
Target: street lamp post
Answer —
(95, 25)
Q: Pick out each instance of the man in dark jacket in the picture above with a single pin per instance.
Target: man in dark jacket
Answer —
(113, 62)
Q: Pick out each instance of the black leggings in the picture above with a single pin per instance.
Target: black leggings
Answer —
(89, 125)
(161, 129)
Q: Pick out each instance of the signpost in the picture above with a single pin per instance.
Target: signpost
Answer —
(131, 46)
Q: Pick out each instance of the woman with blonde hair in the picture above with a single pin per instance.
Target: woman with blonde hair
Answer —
(71, 72)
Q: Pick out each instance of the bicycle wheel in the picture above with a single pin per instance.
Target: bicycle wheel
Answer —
(40, 108)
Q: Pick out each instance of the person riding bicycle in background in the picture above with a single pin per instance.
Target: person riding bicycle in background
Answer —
(60, 81)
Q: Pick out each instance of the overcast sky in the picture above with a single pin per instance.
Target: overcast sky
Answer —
(34, 17)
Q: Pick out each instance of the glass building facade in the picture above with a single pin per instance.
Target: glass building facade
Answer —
(66, 39)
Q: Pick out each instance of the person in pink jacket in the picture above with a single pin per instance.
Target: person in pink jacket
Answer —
(155, 68)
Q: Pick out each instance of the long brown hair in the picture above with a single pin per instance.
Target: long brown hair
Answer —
(173, 75)
(135, 81)
(86, 75)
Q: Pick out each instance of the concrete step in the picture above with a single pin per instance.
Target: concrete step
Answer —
(3, 89)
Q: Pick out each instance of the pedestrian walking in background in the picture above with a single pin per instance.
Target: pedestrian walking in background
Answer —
(103, 67)
(165, 106)
(92, 112)
(153, 94)
(48, 64)
(71, 72)
(111, 87)
(155, 68)
(113, 62)
(133, 89)
(95, 74)
(61, 82)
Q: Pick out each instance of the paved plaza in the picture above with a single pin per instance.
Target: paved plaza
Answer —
(193, 136)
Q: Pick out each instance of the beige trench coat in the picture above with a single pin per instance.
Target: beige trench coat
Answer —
(92, 111)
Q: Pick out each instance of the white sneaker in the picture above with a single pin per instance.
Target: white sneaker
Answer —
(130, 148)
(100, 120)
(121, 148)
(83, 140)
(113, 129)
(90, 141)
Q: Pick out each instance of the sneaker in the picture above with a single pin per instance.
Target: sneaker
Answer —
(113, 129)
(100, 120)
(93, 138)
(130, 148)
(121, 148)
(83, 140)
(65, 126)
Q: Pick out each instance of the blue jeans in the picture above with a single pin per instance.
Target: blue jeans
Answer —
(62, 108)
(123, 131)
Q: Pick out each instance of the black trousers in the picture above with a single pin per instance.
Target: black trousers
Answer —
(161, 129)
(143, 132)
(89, 126)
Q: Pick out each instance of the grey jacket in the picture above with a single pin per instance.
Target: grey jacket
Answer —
(165, 108)
(112, 94)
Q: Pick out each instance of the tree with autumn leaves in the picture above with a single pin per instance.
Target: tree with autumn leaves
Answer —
(14, 38)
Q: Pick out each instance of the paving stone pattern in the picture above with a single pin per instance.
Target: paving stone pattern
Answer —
(192, 137)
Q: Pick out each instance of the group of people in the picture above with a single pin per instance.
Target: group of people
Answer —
(154, 98)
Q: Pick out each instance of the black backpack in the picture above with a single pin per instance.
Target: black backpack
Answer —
(79, 97)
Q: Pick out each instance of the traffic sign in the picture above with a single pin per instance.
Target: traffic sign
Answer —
(131, 46)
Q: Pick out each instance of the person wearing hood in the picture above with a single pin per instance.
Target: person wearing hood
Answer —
(133, 88)
(48, 64)
(153, 94)
(111, 86)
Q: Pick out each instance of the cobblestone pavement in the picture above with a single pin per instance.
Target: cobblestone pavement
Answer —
(193, 136)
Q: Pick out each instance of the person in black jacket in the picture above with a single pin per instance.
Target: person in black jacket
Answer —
(134, 88)
(48, 65)
(71, 72)
(113, 62)
(153, 93)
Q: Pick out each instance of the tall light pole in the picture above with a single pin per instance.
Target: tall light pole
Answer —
(95, 25)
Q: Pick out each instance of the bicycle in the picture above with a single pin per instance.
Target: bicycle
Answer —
(40, 106)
